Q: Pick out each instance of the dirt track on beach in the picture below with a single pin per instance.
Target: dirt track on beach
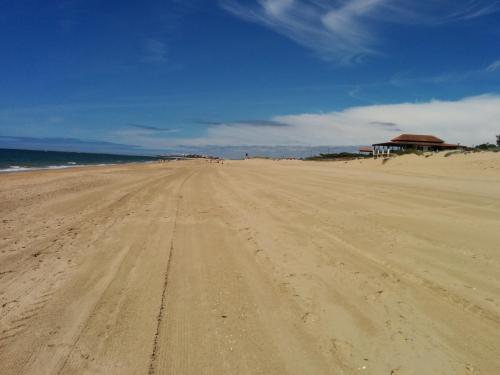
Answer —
(253, 267)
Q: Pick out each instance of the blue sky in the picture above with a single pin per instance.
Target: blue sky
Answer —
(155, 76)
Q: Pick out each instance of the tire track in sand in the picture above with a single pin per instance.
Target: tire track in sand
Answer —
(116, 265)
(161, 312)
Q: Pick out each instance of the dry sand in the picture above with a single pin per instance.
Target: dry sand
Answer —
(253, 267)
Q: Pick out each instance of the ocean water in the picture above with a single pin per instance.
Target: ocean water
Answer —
(24, 160)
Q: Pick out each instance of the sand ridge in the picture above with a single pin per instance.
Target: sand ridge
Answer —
(253, 267)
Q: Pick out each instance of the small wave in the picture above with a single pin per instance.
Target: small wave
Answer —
(58, 167)
(15, 168)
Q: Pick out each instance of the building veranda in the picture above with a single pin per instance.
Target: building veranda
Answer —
(416, 142)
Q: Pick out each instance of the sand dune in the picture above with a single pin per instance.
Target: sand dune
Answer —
(253, 267)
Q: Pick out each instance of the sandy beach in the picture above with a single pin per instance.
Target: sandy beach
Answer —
(253, 267)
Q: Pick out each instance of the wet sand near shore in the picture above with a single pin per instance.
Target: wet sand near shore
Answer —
(253, 267)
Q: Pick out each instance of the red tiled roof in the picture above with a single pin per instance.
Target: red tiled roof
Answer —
(428, 144)
(417, 138)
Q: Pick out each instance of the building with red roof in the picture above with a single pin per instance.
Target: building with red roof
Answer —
(422, 142)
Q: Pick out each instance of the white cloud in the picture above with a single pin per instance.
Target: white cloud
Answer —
(345, 30)
(471, 120)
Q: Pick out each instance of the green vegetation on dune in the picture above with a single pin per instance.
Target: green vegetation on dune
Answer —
(338, 156)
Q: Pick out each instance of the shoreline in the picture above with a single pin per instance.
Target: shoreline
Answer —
(16, 169)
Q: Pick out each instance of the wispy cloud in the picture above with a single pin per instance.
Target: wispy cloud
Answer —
(494, 66)
(152, 128)
(474, 9)
(387, 125)
(254, 123)
(402, 79)
(155, 51)
(346, 30)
